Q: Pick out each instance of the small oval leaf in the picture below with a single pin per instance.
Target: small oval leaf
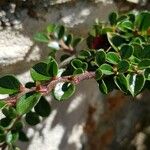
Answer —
(9, 85)
(27, 102)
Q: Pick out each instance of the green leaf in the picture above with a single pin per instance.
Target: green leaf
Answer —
(30, 84)
(146, 51)
(136, 83)
(76, 63)
(126, 51)
(63, 91)
(145, 63)
(2, 134)
(44, 70)
(3, 104)
(41, 37)
(51, 28)
(115, 40)
(102, 87)
(100, 57)
(78, 71)
(18, 126)
(23, 137)
(69, 39)
(52, 68)
(27, 102)
(123, 66)
(106, 29)
(113, 18)
(98, 74)
(2, 130)
(60, 31)
(5, 122)
(32, 118)
(76, 41)
(12, 137)
(106, 69)
(121, 82)
(43, 103)
(142, 20)
(147, 74)
(84, 54)
(9, 112)
(113, 58)
(138, 50)
(39, 72)
(9, 85)
(125, 25)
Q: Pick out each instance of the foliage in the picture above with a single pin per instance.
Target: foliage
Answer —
(117, 57)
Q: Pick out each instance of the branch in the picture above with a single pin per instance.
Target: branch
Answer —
(48, 87)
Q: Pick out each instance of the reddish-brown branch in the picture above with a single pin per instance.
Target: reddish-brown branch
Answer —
(47, 88)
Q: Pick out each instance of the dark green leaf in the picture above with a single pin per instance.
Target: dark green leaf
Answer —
(32, 118)
(84, 54)
(113, 58)
(102, 87)
(44, 70)
(142, 20)
(98, 74)
(145, 63)
(78, 71)
(41, 37)
(18, 126)
(60, 31)
(147, 74)
(126, 51)
(76, 63)
(123, 66)
(2, 134)
(63, 91)
(9, 85)
(121, 82)
(52, 68)
(115, 40)
(23, 137)
(5, 122)
(30, 84)
(76, 41)
(39, 72)
(138, 50)
(100, 57)
(106, 69)
(27, 102)
(69, 39)
(9, 112)
(146, 51)
(136, 83)
(43, 107)
(113, 18)
(3, 104)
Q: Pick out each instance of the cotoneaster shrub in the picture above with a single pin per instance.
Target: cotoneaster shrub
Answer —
(117, 57)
